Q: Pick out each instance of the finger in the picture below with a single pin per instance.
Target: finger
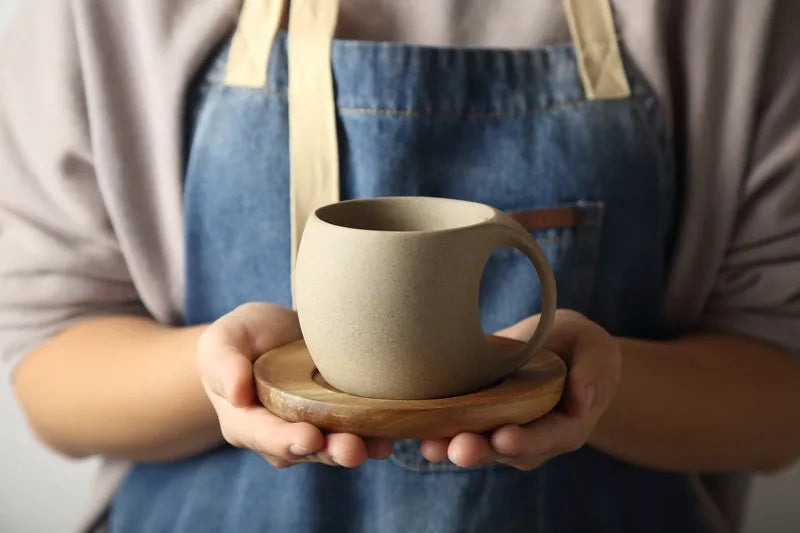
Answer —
(346, 449)
(226, 372)
(554, 434)
(507, 440)
(323, 457)
(524, 464)
(509, 445)
(258, 429)
(229, 375)
(255, 327)
(594, 360)
(434, 451)
(522, 330)
(277, 462)
(580, 391)
(573, 333)
(378, 448)
(228, 347)
(591, 353)
(470, 449)
(567, 327)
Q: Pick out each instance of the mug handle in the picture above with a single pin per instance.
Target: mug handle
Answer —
(505, 231)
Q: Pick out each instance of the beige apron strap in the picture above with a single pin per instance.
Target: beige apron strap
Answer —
(248, 58)
(592, 27)
(313, 147)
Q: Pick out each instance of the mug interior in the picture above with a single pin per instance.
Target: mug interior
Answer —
(411, 213)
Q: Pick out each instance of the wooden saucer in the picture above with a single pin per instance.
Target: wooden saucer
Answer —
(289, 385)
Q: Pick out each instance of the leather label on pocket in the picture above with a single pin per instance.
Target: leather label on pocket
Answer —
(551, 217)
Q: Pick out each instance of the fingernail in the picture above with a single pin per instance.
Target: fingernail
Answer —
(327, 459)
(590, 394)
(299, 451)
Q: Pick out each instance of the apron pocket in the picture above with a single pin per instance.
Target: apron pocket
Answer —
(571, 243)
(569, 236)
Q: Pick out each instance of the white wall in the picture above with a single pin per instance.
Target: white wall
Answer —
(39, 491)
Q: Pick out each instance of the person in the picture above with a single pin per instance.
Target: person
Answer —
(153, 178)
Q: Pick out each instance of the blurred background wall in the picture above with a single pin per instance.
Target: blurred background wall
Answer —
(43, 493)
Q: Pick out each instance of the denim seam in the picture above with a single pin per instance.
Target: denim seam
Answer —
(434, 114)
(455, 114)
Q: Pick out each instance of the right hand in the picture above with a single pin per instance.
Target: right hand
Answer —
(225, 354)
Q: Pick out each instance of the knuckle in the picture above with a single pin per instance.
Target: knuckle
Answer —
(249, 307)
(570, 313)
(277, 462)
(575, 442)
(204, 337)
(255, 444)
(202, 352)
(527, 465)
(210, 337)
(571, 316)
(229, 435)
(271, 438)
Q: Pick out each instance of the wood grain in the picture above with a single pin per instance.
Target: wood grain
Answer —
(288, 384)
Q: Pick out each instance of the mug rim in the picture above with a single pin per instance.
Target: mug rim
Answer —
(320, 214)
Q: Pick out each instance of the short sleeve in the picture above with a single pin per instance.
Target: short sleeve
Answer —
(59, 260)
(757, 289)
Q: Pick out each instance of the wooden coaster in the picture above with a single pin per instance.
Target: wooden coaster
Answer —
(290, 386)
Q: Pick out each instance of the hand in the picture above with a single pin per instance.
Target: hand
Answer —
(225, 354)
(594, 361)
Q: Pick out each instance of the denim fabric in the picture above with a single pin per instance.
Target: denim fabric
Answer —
(508, 128)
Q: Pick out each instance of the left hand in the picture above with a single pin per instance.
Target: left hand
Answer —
(593, 359)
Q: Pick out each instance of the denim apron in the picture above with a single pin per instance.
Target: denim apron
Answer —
(527, 131)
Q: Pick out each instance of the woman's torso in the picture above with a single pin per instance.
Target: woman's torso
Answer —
(508, 128)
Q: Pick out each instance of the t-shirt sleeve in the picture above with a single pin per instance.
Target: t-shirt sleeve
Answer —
(59, 260)
(757, 289)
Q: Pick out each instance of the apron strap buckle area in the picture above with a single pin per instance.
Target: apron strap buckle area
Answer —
(591, 25)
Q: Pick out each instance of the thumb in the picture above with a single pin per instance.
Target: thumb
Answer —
(256, 327)
(522, 330)
(227, 349)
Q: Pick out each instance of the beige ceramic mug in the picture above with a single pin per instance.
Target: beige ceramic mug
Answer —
(387, 295)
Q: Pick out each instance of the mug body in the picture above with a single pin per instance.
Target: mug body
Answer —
(386, 291)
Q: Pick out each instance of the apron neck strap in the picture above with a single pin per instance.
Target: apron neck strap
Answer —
(248, 57)
(313, 146)
(597, 51)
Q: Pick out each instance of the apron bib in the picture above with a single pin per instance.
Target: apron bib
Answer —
(569, 134)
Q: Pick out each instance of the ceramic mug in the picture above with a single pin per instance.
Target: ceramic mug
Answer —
(386, 290)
